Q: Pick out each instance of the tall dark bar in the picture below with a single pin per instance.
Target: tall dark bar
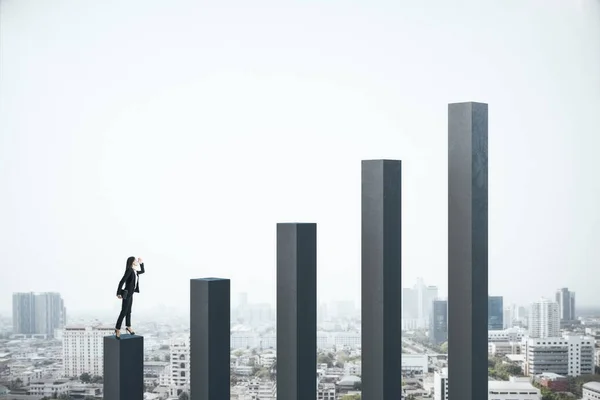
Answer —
(296, 311)
(467, 251)
(381, 279)
(210, 338)
(124, 368)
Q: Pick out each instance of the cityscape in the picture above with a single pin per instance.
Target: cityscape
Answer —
(311, 200)
(540, 350)
(402, 344)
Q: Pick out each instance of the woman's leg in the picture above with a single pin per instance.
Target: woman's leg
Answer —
(128, 316)
(122, 314)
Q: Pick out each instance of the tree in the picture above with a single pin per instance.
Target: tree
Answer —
(262, 373)
(15, 384)
(184, 396)
(64, 397)
(326, 358)
(97, 379)
(85, 378)
(444, 348)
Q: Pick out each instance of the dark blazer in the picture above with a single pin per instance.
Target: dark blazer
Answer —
(129, 281)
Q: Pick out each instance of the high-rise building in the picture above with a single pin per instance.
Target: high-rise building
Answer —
(410, 304)
(425, 295)
(38, 313)
(438, 327)
(544, 319)
(566, 304)
(83, 349)
(495, 313)
(23, 313)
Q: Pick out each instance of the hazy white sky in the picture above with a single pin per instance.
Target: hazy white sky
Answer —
(182, 131)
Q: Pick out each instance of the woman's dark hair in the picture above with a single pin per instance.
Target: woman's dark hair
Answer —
(130, 261)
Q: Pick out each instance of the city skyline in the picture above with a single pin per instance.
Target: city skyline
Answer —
(327, 308)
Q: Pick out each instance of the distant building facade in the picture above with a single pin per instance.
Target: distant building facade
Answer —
(438, 327)
(566, 304)
(544, 319)
(38, 313)
(495, 313)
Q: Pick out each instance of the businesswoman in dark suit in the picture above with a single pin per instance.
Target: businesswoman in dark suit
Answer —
(133, 269)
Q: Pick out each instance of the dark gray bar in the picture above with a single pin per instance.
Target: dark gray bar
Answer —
(467, 251)
(209, 338)
(381, 279)
(296, 311)
(124, 367)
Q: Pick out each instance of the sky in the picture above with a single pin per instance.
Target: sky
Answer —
(183, 131)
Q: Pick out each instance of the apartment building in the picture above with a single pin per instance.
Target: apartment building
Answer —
(544, 319)
(83, 349)
(180, 365)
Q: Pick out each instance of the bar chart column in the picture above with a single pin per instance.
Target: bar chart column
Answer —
(381, 279)
(296, 311)
(209, 339)
(467, 251)
(124, 368)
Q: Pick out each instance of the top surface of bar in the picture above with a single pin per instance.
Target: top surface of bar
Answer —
(210, 279)
(468, 102)
(124, 337)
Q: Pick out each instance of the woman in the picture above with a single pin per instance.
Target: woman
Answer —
(133, 268)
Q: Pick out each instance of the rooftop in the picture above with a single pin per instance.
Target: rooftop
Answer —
(551, 375)
(506, 385)
(595, 386)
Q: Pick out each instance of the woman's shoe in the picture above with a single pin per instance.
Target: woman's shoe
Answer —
(130, 331)
(118, 333)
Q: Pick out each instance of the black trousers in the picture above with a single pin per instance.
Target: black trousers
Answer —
(125, 312)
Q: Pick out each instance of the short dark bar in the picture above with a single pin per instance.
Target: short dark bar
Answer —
(467, 251)
(124, 368)
(297, 311)
(381, 279)
(209, 338)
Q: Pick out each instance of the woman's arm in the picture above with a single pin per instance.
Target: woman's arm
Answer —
(141, 262)
(122, 281)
